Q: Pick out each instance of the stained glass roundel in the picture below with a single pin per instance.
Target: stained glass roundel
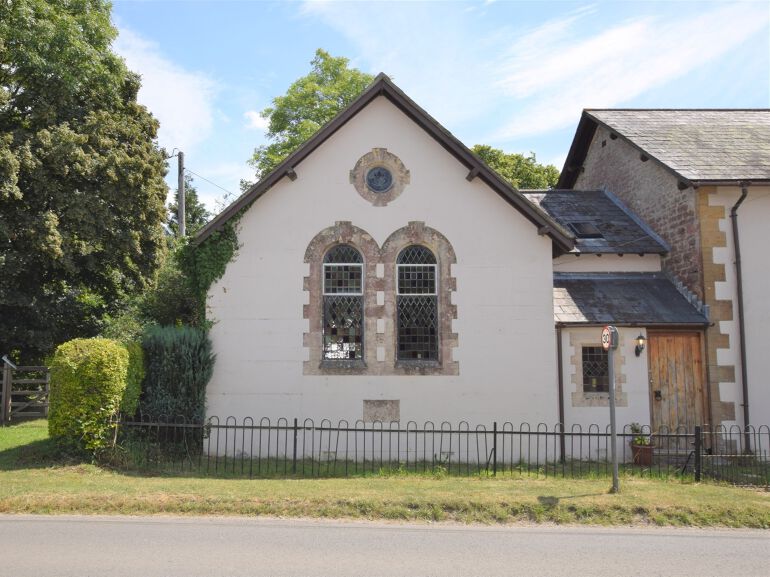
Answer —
(379, 179)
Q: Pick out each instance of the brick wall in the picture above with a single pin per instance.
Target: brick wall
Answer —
(651, 191)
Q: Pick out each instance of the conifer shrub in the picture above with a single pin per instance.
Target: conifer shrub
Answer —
(178, 364)
(88, 382)
(130, 401)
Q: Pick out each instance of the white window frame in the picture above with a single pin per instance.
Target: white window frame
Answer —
(435, 277)
(323, 279)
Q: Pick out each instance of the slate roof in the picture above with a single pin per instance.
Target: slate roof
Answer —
(383, 86)
(622, 231)
(643, 299)
(699, 146)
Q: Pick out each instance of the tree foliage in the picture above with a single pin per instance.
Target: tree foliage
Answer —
(521, 171)
(171, 300)
(196, 216)
(82, 196)
(309, 103)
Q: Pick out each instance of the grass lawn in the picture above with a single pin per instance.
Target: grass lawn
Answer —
(33, 479)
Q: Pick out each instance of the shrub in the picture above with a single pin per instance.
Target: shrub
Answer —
(88, 380)
(179, 363)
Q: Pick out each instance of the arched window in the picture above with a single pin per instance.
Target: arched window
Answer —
(343, 304)
(417, 305)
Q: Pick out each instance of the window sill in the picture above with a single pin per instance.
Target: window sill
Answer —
(343, 367)
(417, 367)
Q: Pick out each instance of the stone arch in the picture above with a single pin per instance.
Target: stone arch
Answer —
(343, 232)
(416, 233)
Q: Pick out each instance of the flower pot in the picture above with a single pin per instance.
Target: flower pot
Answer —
(642, 455)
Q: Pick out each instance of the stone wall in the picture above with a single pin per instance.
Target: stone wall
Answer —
(651, 192)
(694, 224)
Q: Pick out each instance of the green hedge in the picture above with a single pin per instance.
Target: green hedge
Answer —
(88, 382)
(179, 364)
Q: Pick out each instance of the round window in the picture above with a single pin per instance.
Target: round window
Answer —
(379, 179)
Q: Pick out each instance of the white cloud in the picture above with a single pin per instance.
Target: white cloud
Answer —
(255, 121)
(423, 46)
(557, 76)
(182, 100)
(536, 79)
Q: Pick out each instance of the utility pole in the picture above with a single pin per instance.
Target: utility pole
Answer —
(610, 341)
(180, 201)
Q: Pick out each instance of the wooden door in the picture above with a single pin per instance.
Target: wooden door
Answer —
(677, 394)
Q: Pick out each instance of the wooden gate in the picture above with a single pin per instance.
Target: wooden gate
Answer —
(676, 381)
(25, 391)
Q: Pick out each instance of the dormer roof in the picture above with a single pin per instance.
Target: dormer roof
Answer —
(601, 223)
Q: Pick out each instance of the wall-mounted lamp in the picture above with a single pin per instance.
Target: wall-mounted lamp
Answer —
(640, 342)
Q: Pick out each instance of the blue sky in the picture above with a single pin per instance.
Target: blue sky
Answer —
(511, 74)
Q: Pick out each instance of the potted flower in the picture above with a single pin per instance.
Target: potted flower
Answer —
(641, 447)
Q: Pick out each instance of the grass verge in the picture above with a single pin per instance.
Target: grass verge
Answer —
(34, 480)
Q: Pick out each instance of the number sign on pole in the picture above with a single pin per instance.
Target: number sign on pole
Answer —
(610, 343)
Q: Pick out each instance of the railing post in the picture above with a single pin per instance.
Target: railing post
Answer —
(494, 449)
(698, 451)
(7, 380)
(294, 454)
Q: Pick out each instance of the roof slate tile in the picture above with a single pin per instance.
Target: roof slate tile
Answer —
(701, 145)
(622, 298)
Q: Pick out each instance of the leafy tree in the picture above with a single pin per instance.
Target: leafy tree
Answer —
(196, 216)
(82, 196)
(309, 103)
(521, 171)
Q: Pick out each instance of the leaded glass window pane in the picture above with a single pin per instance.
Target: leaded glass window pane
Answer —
(596, 370)
(343, 328)
(417, 328)
(343, 271)
(413, 279)
(416, 254)
(417, 305)
(342, 278)
(343, 253)
(343, 305)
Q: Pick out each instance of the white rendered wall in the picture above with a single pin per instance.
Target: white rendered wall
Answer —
(633, 403)
(504, 297)
(607, 263)
(753, 219)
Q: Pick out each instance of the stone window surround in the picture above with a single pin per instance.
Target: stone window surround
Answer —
(379, 157)
(375, 343)
(580, 398)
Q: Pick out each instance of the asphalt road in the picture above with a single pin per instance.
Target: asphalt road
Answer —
(60, 546)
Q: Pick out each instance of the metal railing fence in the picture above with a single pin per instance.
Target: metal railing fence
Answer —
(282, 447)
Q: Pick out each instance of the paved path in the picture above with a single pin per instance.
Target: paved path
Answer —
(44, 546)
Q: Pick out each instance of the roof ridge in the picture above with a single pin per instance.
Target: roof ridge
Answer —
(382, 85)
(677, 109)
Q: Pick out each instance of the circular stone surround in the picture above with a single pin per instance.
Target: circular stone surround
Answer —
(379, 176)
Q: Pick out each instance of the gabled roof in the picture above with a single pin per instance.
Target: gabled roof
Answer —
(383, 86)
(698, 146)
(622, 232)
(642, 299)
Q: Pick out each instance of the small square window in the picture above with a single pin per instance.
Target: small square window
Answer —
(585, 230)
(596, 370)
